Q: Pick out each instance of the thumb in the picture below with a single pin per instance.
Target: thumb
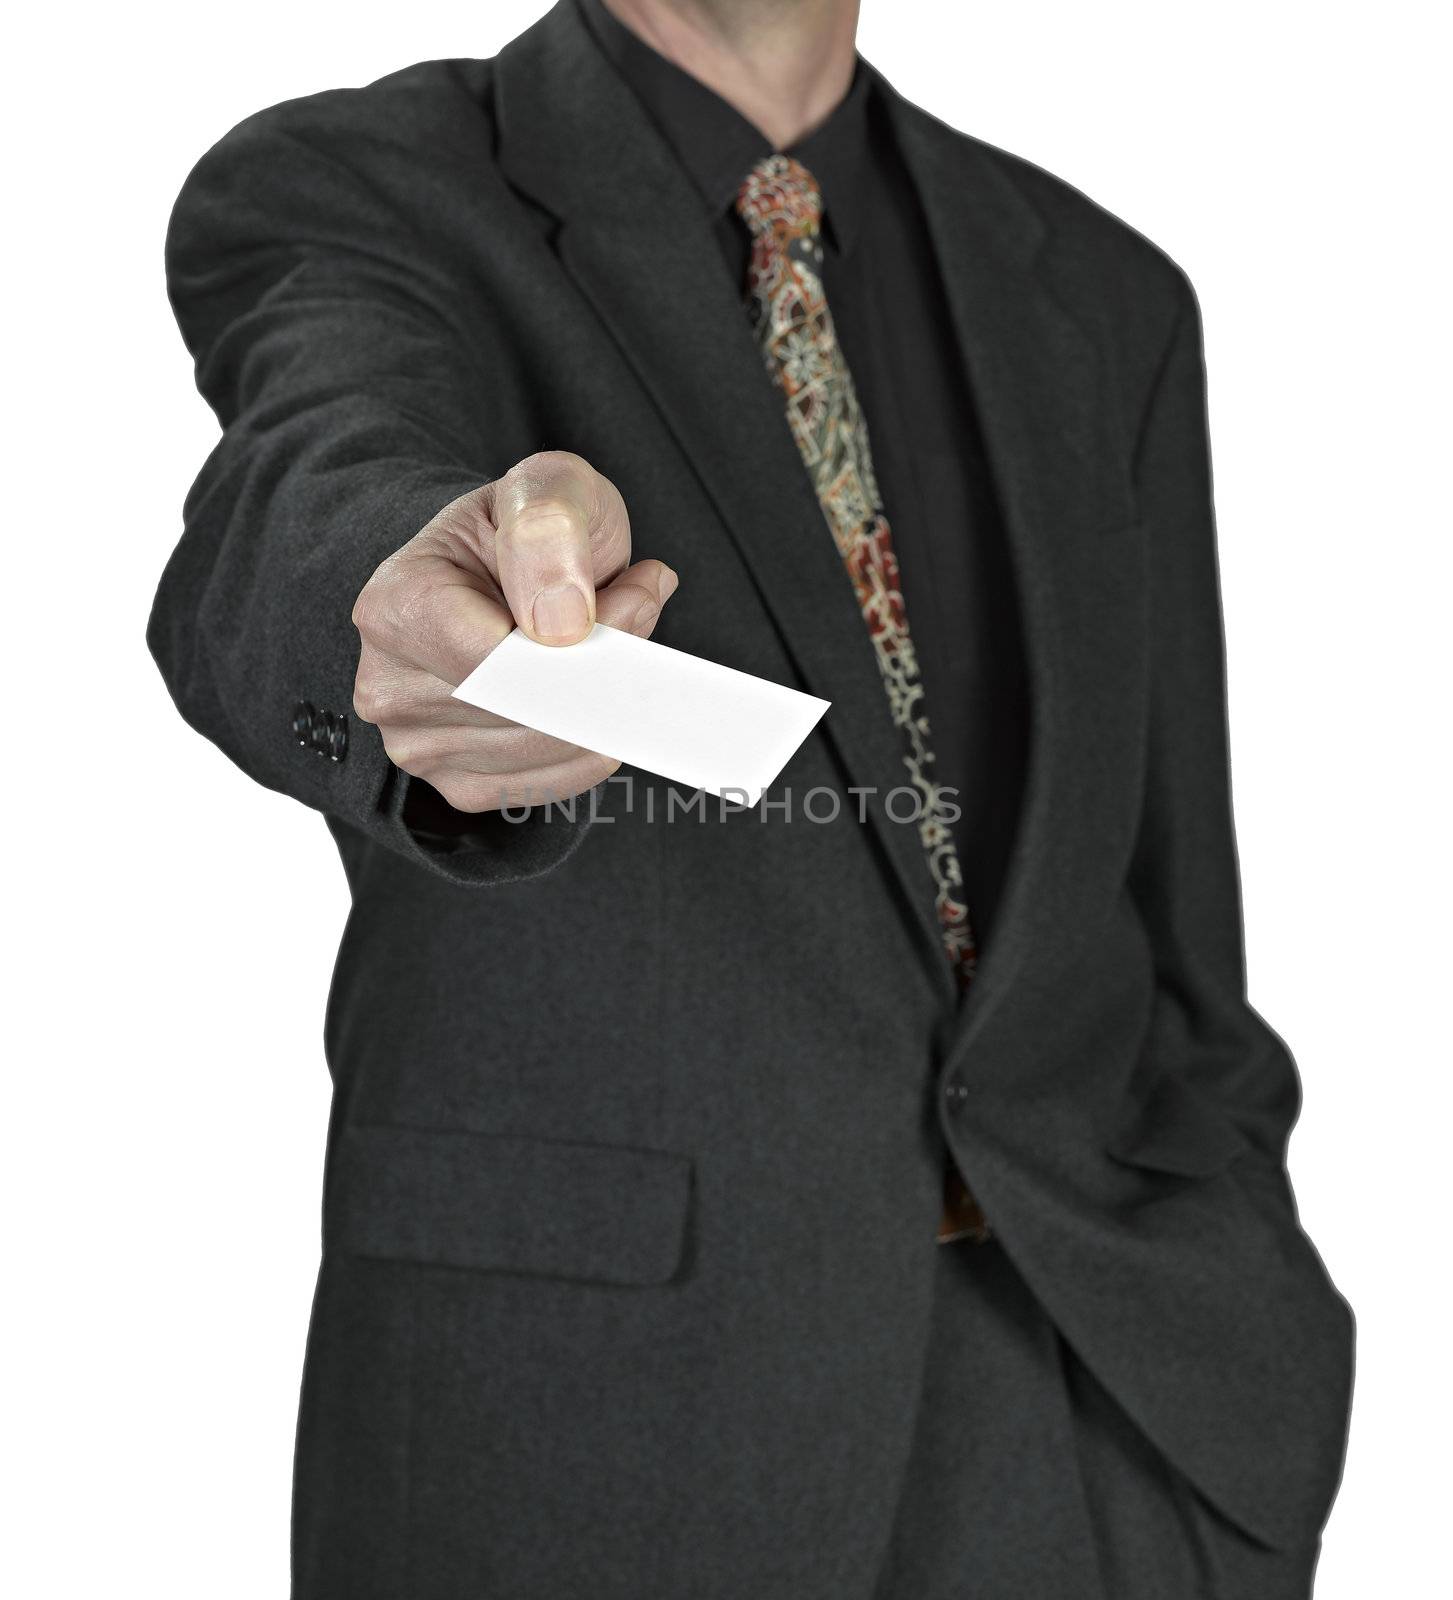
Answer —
(560, 528)
(542, 551)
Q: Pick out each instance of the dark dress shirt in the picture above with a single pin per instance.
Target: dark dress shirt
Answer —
(883, 288)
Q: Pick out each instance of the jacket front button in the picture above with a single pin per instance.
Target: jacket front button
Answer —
(303, 715)
(955, 1092)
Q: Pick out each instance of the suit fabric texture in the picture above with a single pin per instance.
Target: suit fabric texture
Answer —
(629, 1282)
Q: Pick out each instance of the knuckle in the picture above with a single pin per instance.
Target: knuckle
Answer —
(382, 579)
(634, 609)
(610, 531)
(386, 602)
(468, 792)
(407, 752)
(547, 465)
(371, 700)
(547, 518)
(412, 601)
(448, 518)
(549, 488)
(366, 608)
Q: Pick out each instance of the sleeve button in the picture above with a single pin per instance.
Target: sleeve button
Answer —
(338, 737)
(303, 715)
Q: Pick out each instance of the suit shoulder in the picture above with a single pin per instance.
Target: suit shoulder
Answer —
(360, 175)
(436, 100)
(365, 168)
(1104, 247)
(1107, 265)
(434, 116)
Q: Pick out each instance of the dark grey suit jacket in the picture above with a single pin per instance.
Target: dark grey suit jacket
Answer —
(635, 1159)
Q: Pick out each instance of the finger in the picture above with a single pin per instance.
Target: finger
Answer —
(561, 532)
(470, 791)
(633, 602)
(426, 749)
(425, 613)
(395, 696)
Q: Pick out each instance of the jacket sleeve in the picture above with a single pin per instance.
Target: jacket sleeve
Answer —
(336, 353)
(1184, 875)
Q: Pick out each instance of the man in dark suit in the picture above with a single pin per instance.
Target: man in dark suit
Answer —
(742, 1204)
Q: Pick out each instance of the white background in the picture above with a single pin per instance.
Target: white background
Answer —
(174, 926)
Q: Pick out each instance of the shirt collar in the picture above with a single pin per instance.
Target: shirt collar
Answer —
(718, 146)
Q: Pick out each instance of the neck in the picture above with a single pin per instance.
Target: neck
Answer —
(784, 64)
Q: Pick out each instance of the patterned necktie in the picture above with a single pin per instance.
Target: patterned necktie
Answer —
(782, 206)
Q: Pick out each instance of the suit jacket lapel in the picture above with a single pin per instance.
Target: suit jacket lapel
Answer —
(634, 237)
(1043, 396)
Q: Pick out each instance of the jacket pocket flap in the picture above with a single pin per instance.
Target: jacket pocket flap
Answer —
(1172, 1128)
(600, 1213)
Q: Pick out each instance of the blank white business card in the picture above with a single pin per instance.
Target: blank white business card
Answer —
(684, 718)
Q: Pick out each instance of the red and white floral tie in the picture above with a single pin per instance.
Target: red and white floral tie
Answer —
(782, 206)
